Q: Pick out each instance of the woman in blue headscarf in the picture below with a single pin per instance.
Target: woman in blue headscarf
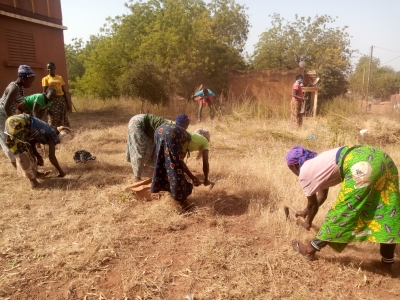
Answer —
(12, 97)
(140, 141)
(170, 168)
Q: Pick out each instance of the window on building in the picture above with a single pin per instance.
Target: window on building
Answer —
(21, 47)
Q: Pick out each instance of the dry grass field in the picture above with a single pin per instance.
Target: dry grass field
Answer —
(86, 237)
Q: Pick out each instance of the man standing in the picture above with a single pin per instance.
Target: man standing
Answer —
(296, 116)
(205, 96)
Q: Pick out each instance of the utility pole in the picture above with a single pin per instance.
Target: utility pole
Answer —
(369, 76)
(362, 87)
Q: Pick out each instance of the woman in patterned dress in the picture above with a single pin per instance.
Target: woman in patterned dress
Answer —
(367, 207)
(57, 112)
(23, 132)
(170, 168)
(140, 142)
(13, 96)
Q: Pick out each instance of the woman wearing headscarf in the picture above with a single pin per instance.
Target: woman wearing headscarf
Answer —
(12, 97)
(140, 142)
(199, 142)
(23, 132)
(170, 168)
(367, 207)
(57, 112)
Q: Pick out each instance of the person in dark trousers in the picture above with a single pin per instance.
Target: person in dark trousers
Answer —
(205, 96)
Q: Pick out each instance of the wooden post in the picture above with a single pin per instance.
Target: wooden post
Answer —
(315, 103)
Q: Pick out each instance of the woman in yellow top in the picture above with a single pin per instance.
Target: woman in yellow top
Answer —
(199, 142)
(58, 110)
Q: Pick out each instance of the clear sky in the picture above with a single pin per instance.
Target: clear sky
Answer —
(371, 22)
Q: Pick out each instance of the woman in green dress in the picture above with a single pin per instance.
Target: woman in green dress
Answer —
(367, 207)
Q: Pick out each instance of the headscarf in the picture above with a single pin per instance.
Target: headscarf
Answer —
(25, 71)
(207, 135)
(203, 132)
(182, 120)
(66, 134)
(298, 155)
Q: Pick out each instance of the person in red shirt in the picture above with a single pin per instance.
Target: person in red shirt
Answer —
(296, 116)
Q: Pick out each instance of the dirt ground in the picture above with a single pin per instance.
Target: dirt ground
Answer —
(86, 237)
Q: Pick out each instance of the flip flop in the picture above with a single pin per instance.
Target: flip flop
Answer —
(44, 174)
(296, 247)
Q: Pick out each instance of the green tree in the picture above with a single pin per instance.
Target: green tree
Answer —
(189, 41)
(143, 80)
(384, 81)
(323, 48)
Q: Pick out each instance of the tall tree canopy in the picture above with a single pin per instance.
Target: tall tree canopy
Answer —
(384, 81)
(188, 41)
(323, 48)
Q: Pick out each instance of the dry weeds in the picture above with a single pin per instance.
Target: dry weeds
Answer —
(85, 237)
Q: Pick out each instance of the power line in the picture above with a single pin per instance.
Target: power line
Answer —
(390, 60)
(387, 49)
(361, 53)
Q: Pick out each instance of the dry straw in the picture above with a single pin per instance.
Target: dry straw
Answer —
(85, 237)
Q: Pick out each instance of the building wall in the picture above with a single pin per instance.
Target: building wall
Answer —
(271, 86)
(33, 43)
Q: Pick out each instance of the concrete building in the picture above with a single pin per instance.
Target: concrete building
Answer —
(31, 33)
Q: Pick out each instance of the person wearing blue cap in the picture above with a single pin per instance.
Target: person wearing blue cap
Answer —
(13, 96)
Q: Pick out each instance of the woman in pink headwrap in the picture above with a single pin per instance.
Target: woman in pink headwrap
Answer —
(368, 203)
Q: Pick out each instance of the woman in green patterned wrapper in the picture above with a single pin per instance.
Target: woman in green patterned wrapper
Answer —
(367, 207)
(140, 142)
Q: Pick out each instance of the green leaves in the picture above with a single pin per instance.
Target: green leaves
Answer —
(144, 80)
(188, 41)
(383, 80)
(323, 48)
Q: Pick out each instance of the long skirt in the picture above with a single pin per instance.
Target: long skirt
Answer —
(169, 172)
(140, 147)
(57, 113)
(296, 117)
(368, 205)
(17, 129)
(3, 136)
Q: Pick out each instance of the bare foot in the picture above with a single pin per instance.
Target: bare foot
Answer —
(306, 251)
(61, 174)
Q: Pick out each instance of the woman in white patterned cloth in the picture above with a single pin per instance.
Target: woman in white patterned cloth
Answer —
(13, 96)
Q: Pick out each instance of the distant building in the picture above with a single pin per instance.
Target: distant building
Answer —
(31, 33)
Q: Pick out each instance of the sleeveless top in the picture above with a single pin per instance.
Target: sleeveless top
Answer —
(18, 99)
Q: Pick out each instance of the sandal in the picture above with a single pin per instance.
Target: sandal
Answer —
(42, 175)
(296, 247)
